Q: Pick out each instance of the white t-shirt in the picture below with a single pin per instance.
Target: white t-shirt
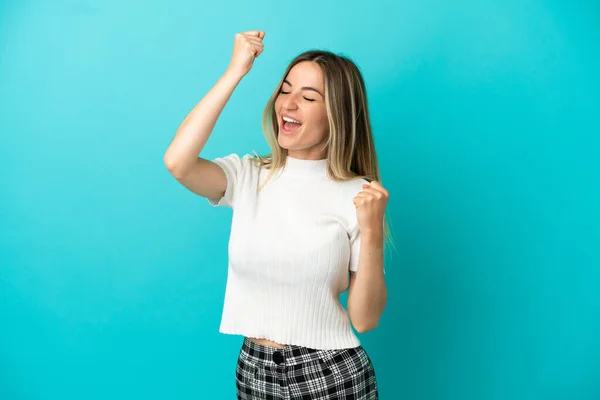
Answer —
(291, 248)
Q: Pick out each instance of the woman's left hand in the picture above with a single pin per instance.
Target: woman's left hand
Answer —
(370, 206)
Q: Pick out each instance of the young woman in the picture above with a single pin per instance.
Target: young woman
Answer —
(308, 224)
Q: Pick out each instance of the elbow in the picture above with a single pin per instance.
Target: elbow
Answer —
(173, 167)
(362, 328)
(365, 323)
(169, 162)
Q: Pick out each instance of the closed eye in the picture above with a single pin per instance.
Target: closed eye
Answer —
(305, 98)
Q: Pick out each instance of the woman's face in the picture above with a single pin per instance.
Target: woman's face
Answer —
(302, 99)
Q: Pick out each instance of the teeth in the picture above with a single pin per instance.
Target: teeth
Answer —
(291, 120)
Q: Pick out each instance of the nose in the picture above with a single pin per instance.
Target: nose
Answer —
(290, 102)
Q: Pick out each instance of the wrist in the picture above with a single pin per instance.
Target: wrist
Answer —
(233, 75)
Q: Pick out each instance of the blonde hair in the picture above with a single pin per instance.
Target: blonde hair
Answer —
(350, 146)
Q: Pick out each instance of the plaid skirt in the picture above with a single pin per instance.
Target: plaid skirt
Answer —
(301, 373)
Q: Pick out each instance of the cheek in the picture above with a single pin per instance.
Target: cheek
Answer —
(277, 105)
(323, 120)
(318, 116)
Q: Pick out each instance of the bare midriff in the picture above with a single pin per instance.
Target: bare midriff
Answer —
(266, 342)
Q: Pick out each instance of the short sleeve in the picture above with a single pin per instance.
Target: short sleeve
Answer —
(233, 166)
(355, 249)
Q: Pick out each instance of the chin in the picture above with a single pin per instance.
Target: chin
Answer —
(282, 145)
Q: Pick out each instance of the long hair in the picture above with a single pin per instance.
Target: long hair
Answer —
(350, 146)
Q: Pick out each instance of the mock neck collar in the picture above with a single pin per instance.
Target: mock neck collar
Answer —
(300, 168)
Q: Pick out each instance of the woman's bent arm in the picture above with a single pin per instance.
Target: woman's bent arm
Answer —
(193, 133)
(199, 175)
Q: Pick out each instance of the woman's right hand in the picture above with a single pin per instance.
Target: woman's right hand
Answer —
(247, 46)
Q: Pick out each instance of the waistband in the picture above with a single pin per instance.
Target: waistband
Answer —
(290, 354)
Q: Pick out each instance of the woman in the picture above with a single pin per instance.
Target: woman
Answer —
(308, 224)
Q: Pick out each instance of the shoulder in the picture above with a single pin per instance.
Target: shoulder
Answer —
(345, 204)
(351, 187)
(238, 163)
(236, 157)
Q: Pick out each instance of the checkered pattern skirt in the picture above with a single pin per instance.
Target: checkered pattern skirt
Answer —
(301, 373)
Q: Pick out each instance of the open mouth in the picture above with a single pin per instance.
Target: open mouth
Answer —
(290, 125)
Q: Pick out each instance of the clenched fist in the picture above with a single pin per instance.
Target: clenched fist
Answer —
(247, 46)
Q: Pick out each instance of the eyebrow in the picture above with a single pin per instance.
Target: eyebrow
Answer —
(305, 87)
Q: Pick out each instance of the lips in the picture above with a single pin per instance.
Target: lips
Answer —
(290, 117)
(289, 127)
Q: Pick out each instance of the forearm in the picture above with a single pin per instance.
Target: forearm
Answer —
(194, 131)
(368, 293)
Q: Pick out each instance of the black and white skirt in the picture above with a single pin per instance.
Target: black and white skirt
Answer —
(301, 373)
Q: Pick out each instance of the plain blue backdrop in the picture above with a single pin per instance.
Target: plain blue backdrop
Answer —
(485, 115)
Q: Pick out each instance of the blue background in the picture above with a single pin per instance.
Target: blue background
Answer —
(485, 116)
